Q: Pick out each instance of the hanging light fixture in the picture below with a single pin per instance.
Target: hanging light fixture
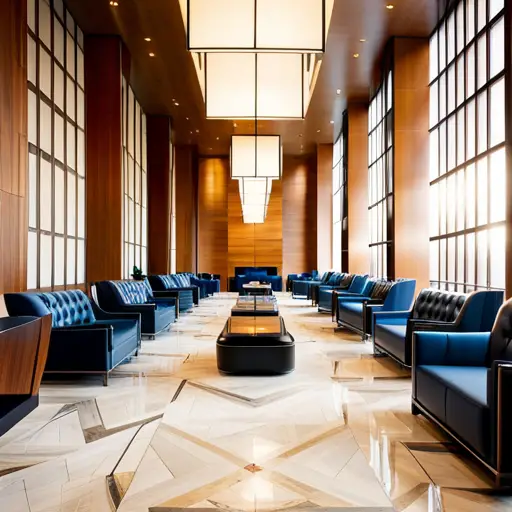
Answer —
(256, 156)
(255, 197)
(257, 25)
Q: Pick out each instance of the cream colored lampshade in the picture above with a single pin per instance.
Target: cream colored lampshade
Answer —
(254, 214)
(256, 156)
(258, 25)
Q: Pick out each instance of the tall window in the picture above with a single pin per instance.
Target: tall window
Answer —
(173, 212)
(56, 137)
(135, 244)
(380, 177)
(467, 146)
(340, 200)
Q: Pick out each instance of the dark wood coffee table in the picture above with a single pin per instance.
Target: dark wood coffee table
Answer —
(255, 306)
(257, 289)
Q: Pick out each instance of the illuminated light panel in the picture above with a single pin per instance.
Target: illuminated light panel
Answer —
(256, 156)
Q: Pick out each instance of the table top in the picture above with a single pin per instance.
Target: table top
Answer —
(255, 326)
(256, 286)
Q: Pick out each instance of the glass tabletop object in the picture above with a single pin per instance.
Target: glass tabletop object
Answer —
(255, 326)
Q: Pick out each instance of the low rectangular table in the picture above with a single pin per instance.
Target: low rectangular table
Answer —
(255, 306)
(258, 345)
(257, 289)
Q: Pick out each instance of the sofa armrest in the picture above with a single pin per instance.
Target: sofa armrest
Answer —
(101, 314)
(370, 307)
(359, 298)
(382, 316)
(450, 348)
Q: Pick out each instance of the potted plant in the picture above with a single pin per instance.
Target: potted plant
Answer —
(137, 274)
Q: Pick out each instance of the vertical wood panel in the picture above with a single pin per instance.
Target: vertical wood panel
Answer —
(213, 217)
(159, 192)
(411, 192)
(299, 215)
(13, 146)
(324, 206)
(508, 145)
(358, 239)
(104, 208)
(186, 208)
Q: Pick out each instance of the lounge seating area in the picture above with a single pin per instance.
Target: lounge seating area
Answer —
(264, 275)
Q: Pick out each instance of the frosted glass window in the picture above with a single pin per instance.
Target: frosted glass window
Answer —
(495, 6)
(59, 8)
(470, 20)
(60, 196)
(70, 55)
(45, 127)
(58, 137)
(497, 251)
(45, 72)
(482, 14)
(32, 260)
(482, 193)
(497, 113)
(481, 263)
(482, 61)
(497, 49)
(71, 261)
(70, 99)
(31, 60)
(80, 150)
(470, 71)
(32, 190)
(31, 14)
(81, 208)
(80, 104)
(498, 186)
(71, 153)
(80, 67)
(58, 261)
(58, 39)
(71, 204)
(45, 195)
(45, 261)
(482, 122)
(58, 86)
(32, 118)
(79, 37)
(45, 23)
(80, 261)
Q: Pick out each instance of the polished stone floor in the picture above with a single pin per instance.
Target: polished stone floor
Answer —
(171, 433)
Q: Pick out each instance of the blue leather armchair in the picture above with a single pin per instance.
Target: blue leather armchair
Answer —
(211, 282)
(463, 382)
(156, 314)
(84, 337)
(354, 313)
(305, 276)
(262, 274)
(326, 294)
(302, 289)
(178, 285)
(434, 310)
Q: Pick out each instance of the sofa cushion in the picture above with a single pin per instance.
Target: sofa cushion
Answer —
(351, 313)
(256, 276)
(391, 337)
(68, 308)
(131, 292)
(431, 391)
(124, 330)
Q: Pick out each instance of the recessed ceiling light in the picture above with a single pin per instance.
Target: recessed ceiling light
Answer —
(148, 39)
(191, 133)
(234, 125)
(186, 118)
(338, 91)
(151, 54)
(356, 55)
(197, 131)
(176, 104)
(390, 6)
(332, 122)
(300, 134)
(318, 131)
(210, 149)
(362, 40)
(113, 3)
(217, 138)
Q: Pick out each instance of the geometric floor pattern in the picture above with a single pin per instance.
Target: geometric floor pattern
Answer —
(170, 433)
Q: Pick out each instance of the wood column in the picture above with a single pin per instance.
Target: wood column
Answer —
(299, 214)
(324, 207)
(411, 154)
(212, 217)
(186, 208)
(357, 182)
(104, 207)
(159, 192)
(508, 142)
(13, 146)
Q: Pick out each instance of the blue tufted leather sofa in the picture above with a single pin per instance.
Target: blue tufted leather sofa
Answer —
(434, 310)
(302, 289)
(244, 275)
(84, 338)
(463, 381)
(187, 293)
(305, 276)
(156, 314)
(354, 312)
(355, 284)
(338, 280)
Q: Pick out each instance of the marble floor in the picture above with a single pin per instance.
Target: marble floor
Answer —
(170, 433)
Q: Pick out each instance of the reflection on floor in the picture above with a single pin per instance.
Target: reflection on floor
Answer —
(171, 433)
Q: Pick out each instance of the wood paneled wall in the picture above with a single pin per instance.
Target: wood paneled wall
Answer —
(159, 190)
(324, 207)
(13, 146)
(186, 208)
(212, 231)
(259, 245)
(358, 239)
(299, 214)
(104, 207)
(411, 187)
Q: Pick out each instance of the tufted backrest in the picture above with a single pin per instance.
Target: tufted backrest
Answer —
(500, 346)
(326, 277)
(335, 279)
(131, 292)
(438, 305)
(167, 281)
(68, 308)
(346, 281)
(381, 289)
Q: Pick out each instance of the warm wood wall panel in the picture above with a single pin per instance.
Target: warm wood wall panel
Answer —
(104, 208)
(324, 206)
(159, 192)
(411, 159)
(13, 146)
(358, 240)
(299, 215)
(186, 208)
(212, 232)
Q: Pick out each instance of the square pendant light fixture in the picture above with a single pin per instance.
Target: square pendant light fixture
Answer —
(257, 25)
(255, 197)
(256, 156)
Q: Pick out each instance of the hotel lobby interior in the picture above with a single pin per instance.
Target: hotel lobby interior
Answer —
(255, 255)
